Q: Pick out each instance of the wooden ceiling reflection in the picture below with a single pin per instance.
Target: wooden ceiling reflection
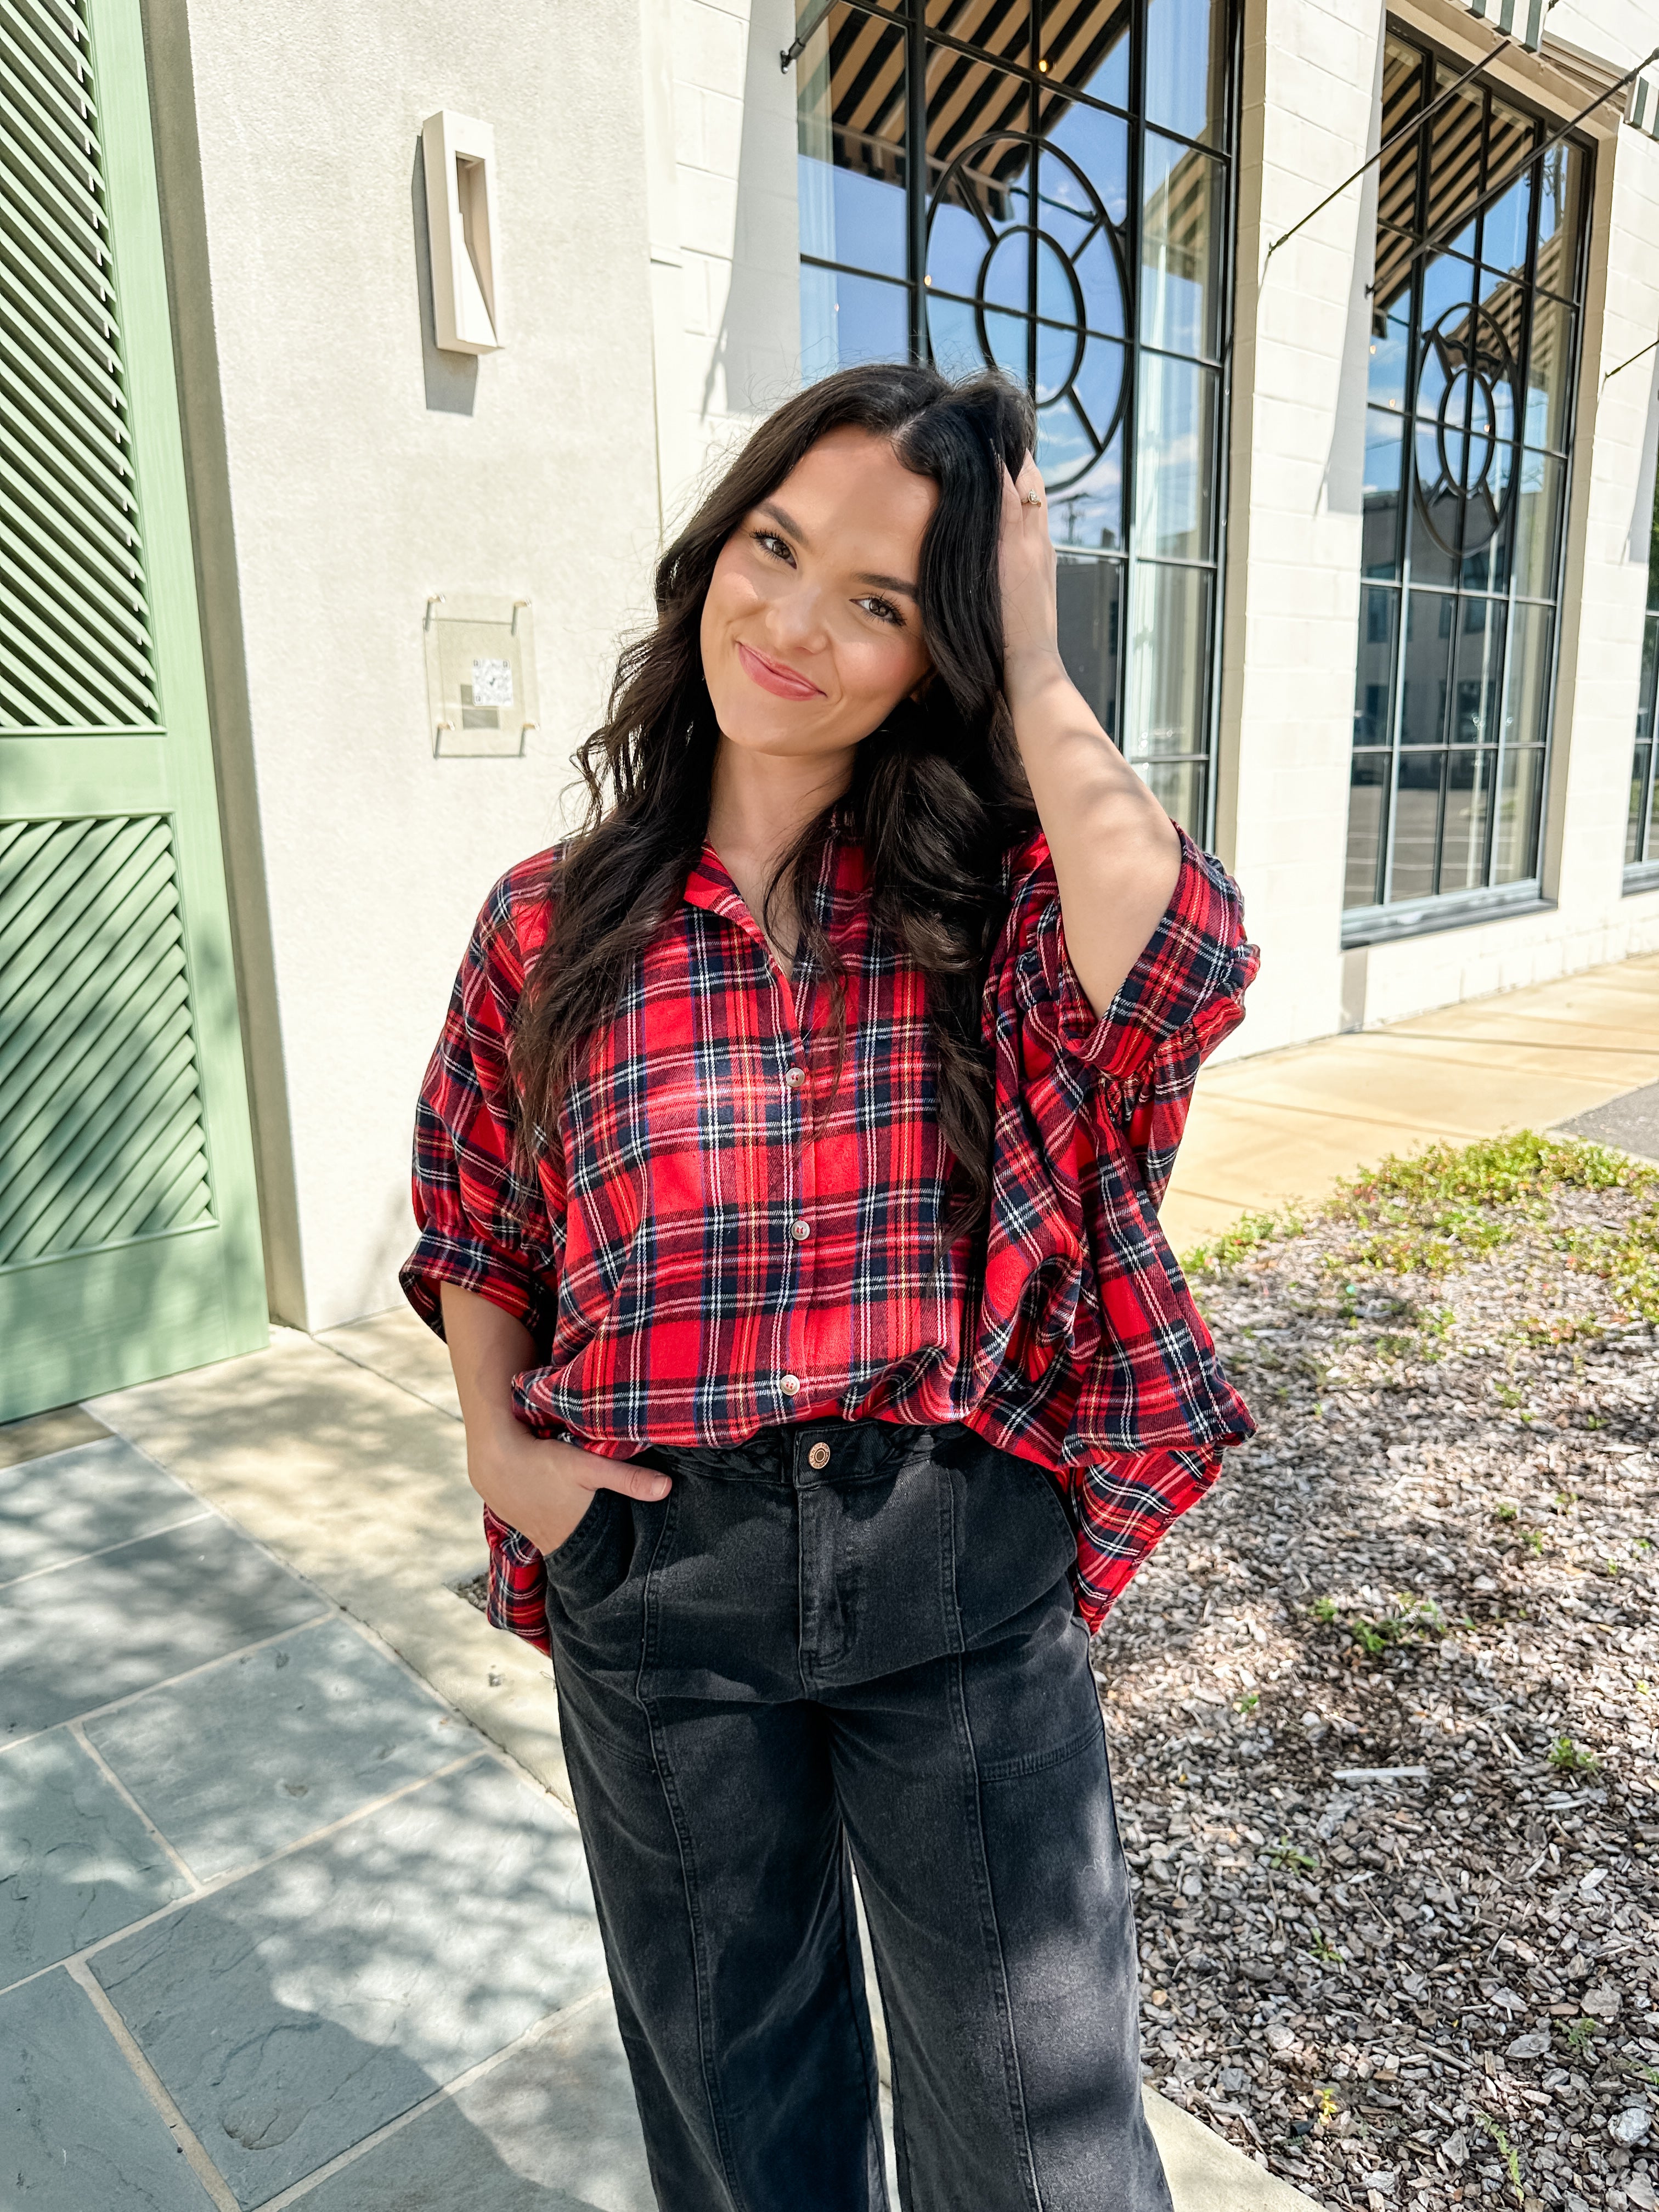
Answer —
(970, 95)
(973, 97)
(1455, 135)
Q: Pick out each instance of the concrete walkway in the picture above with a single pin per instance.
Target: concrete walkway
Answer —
(1282, 1127)
(293, 1909)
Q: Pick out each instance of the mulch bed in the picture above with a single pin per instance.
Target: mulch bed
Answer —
(1437, 1553)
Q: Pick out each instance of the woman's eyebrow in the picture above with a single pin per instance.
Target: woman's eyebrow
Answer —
(787, 522)
(770, 507)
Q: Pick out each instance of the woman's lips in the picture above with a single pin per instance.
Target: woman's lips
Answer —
(773, 676)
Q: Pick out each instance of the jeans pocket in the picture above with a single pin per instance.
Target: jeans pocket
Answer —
(595, 1557)
(1014, 1539)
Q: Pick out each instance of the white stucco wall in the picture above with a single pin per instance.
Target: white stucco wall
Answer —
(361, 470)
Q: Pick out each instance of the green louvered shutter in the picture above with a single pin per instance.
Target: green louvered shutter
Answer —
(129, 1232)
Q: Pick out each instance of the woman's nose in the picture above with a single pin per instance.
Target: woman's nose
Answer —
(798, 616)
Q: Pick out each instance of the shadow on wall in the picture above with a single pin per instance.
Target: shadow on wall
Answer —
(1642, 507)
(451, 378)
(1345, 464)
(757, 354)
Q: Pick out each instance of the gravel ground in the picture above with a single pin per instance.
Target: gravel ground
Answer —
(1437, 1554)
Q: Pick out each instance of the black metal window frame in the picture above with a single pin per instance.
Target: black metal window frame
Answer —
(1641, 824)
(1389, 919)
(927, 25)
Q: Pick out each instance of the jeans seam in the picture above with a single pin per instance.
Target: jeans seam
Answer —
(992, 1937)
(687, 1863)
(944, 1493)
(852, 1948)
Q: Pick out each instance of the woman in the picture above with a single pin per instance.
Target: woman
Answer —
(786, 1175)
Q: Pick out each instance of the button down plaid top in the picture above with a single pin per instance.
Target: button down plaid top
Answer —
(727, 1233)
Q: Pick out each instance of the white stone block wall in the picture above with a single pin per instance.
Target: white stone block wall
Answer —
(1292, 576)
(723, 227)
(1309, 116)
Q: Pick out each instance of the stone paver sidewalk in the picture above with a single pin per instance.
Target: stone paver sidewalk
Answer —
(277, 1924)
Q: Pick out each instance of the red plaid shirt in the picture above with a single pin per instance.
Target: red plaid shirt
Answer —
(725, 1235)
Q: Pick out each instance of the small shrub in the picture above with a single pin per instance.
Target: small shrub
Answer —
(1511, 2158)
(1249, 1231)
(1285, 1854)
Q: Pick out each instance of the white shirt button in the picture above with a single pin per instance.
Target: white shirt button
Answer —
(788, 1384)
(794, 1077)
(800, 1230)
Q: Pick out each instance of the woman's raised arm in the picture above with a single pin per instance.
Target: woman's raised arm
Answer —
(1117, 853)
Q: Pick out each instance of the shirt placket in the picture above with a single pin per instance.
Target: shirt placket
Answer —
(790, 1215)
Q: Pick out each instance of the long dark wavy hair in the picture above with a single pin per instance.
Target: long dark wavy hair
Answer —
(936, 795)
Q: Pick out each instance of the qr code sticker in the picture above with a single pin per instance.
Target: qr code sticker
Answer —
(492, 682)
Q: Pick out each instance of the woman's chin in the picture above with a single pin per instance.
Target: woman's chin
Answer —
(778, 735)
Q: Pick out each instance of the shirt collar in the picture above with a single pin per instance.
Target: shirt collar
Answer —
(842, 881)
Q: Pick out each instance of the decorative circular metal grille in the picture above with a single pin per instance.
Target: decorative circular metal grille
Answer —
(1467, 428)
(1025, 266)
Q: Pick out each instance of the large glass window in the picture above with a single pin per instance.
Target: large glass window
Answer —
(1476, 316)
(1068, 218)
(1642, 831)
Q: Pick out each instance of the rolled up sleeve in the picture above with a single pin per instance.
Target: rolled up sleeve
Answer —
(485, 1223)
(1190, 978)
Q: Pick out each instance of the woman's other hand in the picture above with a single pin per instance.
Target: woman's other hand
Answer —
(1031, 629)
(541, 1489)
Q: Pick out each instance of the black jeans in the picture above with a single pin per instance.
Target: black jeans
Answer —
(854, 1638)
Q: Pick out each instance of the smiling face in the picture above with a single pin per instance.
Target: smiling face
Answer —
(810, 633)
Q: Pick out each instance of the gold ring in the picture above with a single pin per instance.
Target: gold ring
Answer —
(1030, 499)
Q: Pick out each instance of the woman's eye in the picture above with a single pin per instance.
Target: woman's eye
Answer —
(769, 542)
(883, 610)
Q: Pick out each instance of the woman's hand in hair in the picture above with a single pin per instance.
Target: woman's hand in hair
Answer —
(541, 1489)
(1031, 644)
(1116, 852)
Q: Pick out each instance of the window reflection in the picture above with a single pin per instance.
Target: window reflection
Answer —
(1181, 247)
(1090, 595)
(1463, 501)
(1397, 173)
(1086, 46)
(1186, 67)
(1169, 637)
(850, 132)
(1177, 426)
(845, 319)
(1368, 796)
(1642, 832)
(1384, 452)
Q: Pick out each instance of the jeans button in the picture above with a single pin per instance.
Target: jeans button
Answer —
(818, 1457)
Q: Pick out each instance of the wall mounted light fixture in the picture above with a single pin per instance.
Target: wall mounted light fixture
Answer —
(459, 154)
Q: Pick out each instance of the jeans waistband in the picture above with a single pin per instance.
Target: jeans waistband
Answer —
(794, 1454)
